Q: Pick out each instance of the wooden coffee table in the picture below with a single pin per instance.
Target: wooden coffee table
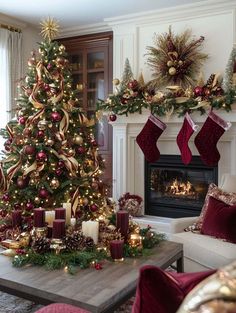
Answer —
(95, 290)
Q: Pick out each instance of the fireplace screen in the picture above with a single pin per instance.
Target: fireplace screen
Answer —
(176, 190)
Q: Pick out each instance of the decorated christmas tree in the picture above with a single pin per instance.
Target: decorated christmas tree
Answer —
(51, 155)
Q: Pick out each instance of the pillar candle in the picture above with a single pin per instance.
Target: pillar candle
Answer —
(60, 214)
(49, 233)
(116, 249)
(67, 206)
(39, 217)
(49, 217)
(16, 218)
(122, 222)
(90, 229)
(58, 229)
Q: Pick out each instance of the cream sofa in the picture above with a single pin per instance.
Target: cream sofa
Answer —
(203, 252)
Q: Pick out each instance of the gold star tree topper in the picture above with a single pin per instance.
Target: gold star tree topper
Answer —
(50, 28)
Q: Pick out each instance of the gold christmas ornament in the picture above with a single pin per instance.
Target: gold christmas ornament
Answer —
(49, 142)
(85, 201)
(115, 81)
(170, 63)
(42, 124)
(62, 48)
(54, 184)
(78, 140)
(172, 70)
(50, 28)
(135, 241)
(37, 200)
(24, 239)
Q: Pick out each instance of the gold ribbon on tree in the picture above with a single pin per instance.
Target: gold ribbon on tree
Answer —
(75, 201)
(70, 162)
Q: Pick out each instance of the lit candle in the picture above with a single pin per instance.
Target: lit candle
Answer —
(16, 218)
(122, 222)
(60, 214)
(67, 206)
(39, 217)
(90, 229)
(49, 217)
(58, 230)
(116, 249)
(73, 221)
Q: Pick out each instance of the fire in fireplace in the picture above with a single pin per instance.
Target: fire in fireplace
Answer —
(173, 189)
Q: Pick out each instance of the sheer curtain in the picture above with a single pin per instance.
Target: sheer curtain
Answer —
(10, 74)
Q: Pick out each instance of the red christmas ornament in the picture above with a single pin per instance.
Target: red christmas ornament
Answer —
(93, 207)
(218, 91)
(6, 197)
(61, 164)
(22, 182)
(17, 206)
(206, 92)
(98, 266)
(22, 120)
(123, 100)
(49, 66)
(46, 87)
(41, 156)
(40, 134)
(29, 206)
(94, 143)
(43, 193)
(56, 117)
(80, 150)
(198, 91)
(133, 84)
(59, 171)
(29, 150)
(112, 117)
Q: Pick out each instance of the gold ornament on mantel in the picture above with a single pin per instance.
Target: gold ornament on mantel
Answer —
(50, 28)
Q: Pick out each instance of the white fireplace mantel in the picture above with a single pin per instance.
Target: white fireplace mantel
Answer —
(128, 159)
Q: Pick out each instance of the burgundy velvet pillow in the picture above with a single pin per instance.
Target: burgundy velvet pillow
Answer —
(220, 220)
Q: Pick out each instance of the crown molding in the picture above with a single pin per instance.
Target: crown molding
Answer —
(181, 12)
(84, 30)
(5, 19)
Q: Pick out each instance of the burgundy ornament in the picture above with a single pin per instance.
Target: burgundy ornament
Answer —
(123, 100)
(41, 156)
(29, 150)
(94, 143)
(17, 206)
(93, 207)
(22, 182)
(49, 66)
(133, 84)
(80, 150)
(219, 91)
(43, 193)
(6, 197)
(58, 171)
(56, 117)
(40, 134)
(112, 117)
(27, 132)
(29, 206)
(198, 91)
(22, 120)
(46, 87)
(61, 164)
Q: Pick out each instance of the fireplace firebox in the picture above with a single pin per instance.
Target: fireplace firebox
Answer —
(173, 189)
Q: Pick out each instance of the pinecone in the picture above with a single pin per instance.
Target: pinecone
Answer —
(210, 80)
(88, 243)
(74, 241)
(41, 245)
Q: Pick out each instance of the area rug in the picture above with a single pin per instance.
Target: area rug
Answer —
(12, 304)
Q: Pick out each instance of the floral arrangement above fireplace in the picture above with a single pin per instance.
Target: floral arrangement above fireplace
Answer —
(175, 60)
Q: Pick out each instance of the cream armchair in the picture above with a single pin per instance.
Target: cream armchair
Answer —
(203, 252)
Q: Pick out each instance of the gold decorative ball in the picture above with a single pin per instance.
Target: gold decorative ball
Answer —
(180, 62)
(115, 81)
(85, 201)
(37, 200)
(49, 142)
(42, 124)
(78, 140)
(189, 92)
(172, 71)
(71, 152)
(169, 63)
(54, 184)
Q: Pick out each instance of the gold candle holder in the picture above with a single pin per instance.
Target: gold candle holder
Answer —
(135, 241)
(57, 245)
(39, 232)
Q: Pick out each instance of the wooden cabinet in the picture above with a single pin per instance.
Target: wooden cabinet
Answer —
(91, 57)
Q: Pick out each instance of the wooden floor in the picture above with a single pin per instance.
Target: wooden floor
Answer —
(96, 291)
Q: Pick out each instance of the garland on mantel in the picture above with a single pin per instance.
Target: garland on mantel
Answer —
(175, 100)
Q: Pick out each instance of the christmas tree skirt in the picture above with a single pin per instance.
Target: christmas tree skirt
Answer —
(12, 304)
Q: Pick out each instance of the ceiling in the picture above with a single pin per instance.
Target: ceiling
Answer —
(75, 13)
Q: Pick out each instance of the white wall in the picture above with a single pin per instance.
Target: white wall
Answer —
(215, 20)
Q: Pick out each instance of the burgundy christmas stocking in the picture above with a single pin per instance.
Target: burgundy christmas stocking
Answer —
(186, 131)
(148, 136)
(207, 138)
